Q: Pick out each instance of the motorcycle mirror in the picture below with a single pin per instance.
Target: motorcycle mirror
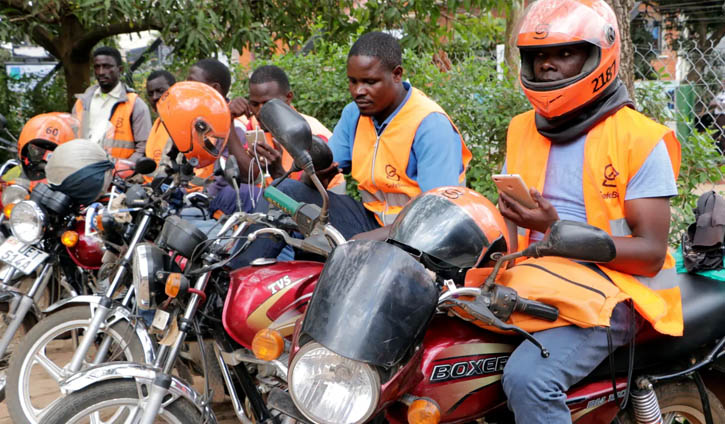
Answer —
(3, 121)
(231, 170)
(145, 166)
(290, 129)
(574, 240)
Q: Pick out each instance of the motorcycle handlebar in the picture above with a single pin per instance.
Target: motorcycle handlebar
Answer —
(536, 309)
(281, 200)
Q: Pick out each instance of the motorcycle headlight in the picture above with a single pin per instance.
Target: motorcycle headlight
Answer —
(14, 194)
(27, 222)
(331, 389)
(146, 261)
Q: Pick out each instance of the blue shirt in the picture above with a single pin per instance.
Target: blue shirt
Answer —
(654, 179)
(435, 157)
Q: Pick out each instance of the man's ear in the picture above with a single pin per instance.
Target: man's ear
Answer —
(216, 86)
(398, 73)
(288, 98)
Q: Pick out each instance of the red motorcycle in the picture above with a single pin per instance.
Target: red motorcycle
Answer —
(382, 341)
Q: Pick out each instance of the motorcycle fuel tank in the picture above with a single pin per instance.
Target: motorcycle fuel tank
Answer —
(268, 296)
(462, 367)
(88, 252)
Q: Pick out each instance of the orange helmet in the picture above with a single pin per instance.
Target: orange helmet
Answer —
(451, 230)
(549, 23)
(40, 136)
(197, 119)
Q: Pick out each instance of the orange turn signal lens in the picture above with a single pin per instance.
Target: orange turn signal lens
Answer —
(173, 284)
(69, 238)
(99, 222)
(8, 210)
(423, 411)
(267, 344)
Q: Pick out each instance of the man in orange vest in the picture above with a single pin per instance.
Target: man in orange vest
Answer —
(394, 140)
(266, 83)
(587, 156)
(110, 113)
(157, 83)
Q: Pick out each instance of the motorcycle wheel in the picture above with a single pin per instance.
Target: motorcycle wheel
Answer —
(680, 403)
(115, 401)
(37, 364)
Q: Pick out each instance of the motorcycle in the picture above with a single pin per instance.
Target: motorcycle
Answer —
(123, 334)
(402, 353)
(266, 296)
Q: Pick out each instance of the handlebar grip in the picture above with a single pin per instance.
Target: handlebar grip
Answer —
(536, 309)
(281, 200)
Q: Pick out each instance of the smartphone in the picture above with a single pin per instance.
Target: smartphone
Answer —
(514, 186)
(254, 136)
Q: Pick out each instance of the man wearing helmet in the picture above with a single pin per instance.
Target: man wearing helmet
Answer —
(157, 83)
(583, 129)
(110, 113)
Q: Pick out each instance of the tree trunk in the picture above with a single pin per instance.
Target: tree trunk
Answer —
(515, 14)
(77, 76)
(626, 65)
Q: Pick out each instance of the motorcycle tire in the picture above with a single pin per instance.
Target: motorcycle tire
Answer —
(28, 393)
(116, 394)
(681, 400)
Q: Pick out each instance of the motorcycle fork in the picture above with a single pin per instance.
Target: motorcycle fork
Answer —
(20, 309)
(104, 305)
(162, 381)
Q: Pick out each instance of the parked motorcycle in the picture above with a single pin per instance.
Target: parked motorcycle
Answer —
(265, 295)
(118, 332)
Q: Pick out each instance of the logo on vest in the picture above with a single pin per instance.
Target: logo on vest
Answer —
(391, 173)
(609, 176)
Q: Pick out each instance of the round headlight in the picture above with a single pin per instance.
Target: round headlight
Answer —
(27, 221)
(146, 260)
(331, 389)
(14, 194)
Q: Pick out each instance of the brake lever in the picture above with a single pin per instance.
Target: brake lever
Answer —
(479, 311)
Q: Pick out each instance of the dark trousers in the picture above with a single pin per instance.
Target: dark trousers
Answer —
(347, 215)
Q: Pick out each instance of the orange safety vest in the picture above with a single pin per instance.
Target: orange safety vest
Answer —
(379, 163)
(118, 141)
(287, 161)
(615, 149)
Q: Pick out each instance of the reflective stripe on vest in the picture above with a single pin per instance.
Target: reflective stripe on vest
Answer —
(615, 149)
(379, 163)
(118, 140)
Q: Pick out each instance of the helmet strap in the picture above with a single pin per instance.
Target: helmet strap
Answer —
(569, 127)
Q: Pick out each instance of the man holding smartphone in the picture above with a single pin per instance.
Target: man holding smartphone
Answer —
(586, 156)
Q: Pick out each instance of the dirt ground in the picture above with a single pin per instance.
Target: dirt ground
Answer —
(46, 390)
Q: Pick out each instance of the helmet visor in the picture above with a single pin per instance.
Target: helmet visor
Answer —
(551, 22)
(212, 142)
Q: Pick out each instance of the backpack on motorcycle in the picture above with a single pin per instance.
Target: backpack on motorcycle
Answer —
(702, 243)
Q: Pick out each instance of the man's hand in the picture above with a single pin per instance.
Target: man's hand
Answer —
(240, 106)
(537, 219)
(272, 156)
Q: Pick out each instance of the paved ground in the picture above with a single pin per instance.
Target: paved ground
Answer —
(46, 389)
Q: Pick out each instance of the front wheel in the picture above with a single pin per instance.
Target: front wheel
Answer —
(680, 403)
(37, 364)
(118, 401)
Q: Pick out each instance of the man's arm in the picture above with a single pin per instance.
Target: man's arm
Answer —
(438, 155)
(238, 107)
(141, 127)
(343, 137)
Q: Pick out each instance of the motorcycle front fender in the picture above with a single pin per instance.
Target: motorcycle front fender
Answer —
(142, 373)
(118, 313)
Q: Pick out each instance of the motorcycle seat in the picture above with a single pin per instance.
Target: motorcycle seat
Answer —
(703, 303)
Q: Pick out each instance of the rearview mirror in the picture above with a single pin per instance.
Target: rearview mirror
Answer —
(231, 170)
(145, 166)
(290, 129)
(574, 240)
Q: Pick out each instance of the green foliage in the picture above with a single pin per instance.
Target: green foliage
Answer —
(475, 35)
(480, 104)
(701, 165)
(652, 100)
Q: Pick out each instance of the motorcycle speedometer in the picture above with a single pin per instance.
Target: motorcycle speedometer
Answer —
(27, 221)
(329, 388)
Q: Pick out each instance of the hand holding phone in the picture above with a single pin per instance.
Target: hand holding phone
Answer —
(514, 186)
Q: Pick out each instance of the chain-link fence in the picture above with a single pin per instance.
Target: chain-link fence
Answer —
(685, 88)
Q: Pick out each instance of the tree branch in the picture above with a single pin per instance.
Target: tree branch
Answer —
(93, 37)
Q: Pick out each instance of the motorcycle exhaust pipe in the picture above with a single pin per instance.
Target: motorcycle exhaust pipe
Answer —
(644, 404)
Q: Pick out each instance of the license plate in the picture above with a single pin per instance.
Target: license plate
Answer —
(21, 256)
